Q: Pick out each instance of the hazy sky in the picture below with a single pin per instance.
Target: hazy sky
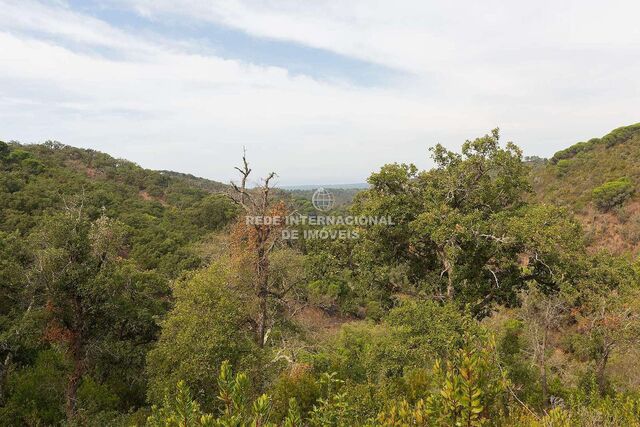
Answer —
(319, 91)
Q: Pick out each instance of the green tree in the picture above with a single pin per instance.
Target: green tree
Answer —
(608, 314)
(613, 193)
(37, 392)
(4, 150)
(16, 302)
(91, 300)
(448, 220)
(208, 324)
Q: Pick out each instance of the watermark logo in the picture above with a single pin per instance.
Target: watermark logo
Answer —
(323, 200)
(298, 226)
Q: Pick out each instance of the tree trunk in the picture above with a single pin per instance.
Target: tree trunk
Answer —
(71, 392)
(263, 295)
(543, 369)
(3, 376)
(448, 268)
(262, 317)
(600, 370)
(450, 290)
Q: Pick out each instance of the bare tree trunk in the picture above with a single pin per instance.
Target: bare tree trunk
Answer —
(263, 295)
(71, 391)
(261, 246)
(543, 368)
(450, 289)
(601, 368)
(448, 268)
(3, 376)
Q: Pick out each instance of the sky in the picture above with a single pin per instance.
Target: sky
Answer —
(322, 91)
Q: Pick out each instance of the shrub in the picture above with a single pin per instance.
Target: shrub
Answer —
(468, 390)
(613, 193)
(19, 155)
(179, 408)
(298, 384)
(563, 166)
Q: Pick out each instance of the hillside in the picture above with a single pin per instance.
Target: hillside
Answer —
(165, 211)
(597, 180)
(129, 297)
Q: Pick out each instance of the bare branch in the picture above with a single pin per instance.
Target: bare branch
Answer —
(244, 171)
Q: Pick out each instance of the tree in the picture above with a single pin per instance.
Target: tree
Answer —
(256, 236)
(613, 193)
(550, 245)
(608, 316)
(16, 302)
(91, 298)
(447, 220)
(37, 392)
(208, 324)
(542, 315)
(4, 150)
(462, 196)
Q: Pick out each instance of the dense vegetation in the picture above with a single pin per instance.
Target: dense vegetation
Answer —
(133, 297)
(90, 245)
(596, 181)
(615, 137)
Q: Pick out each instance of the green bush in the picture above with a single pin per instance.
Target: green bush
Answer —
(299, 384)
(179, 408)
(563, 166)
(612, 193)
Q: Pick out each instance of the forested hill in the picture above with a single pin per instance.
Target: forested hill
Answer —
(129, 297)
(598, 180)
(166, 212)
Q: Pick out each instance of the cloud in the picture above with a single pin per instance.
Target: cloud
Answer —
(416, 35)
(168, 104)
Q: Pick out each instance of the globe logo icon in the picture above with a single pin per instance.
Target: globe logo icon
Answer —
(323, 200)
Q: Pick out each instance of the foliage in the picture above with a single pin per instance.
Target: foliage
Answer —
(122, 292)
(613, 193)
(412, 335)
(298, 385)
(459, 229)
(600, 178)
(88, 244)
(333, 409)
(37, 392)
(208, 324)
(165, 212)
(615, 137)
(92, 300)
(179, 408)
(468, 390)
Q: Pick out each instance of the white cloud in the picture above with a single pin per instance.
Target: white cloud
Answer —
(418, 35)
(536, 71)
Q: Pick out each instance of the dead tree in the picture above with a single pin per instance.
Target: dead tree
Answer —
(542, 315)
(263, 237)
